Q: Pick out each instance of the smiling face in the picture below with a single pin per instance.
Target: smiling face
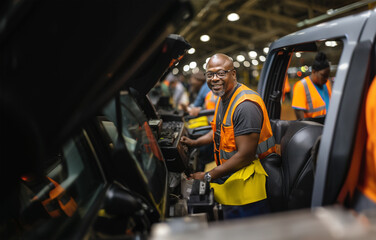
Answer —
(221, 87)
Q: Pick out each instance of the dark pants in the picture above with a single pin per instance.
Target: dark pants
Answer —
(248, 210)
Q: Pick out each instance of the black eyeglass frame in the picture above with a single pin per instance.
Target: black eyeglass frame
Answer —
(216, 73)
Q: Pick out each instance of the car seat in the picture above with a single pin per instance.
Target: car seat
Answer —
(290, 181)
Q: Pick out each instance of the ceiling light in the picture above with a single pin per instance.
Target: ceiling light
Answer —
(236, 64)
(252, 54)
(195, 70)
(330, 43)
(192, 65)
(175, 71)
(255, 62)
(205, 38)
(191, 51)
(266, 50)
(204, 66)
(186, 68)
(246, 64)
(298, 54)
(232, 17)
(262, 58)
(240, 58)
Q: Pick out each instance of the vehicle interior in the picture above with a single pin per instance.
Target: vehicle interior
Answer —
(299, 141)
(87, 153)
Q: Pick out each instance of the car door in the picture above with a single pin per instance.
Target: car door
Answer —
(334, 162)
(340, 40)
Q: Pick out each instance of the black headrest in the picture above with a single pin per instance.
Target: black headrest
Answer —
(279, 128)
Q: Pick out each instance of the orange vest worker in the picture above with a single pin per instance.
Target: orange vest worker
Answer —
(227, 146)
(307, 98)
(210, 100)
(247, 185)
(368, 177)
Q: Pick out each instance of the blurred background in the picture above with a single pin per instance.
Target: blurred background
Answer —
(244, 29)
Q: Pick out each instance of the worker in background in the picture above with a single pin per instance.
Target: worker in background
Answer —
(178, 92)
(199, 102)
(203, 100)
(242, 136)
(286, 89)
(312, 93)
(196, 81)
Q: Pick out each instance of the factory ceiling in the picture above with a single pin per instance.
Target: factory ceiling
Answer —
(260, 23)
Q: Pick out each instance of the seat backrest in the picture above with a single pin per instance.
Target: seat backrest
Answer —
(279, 128)
(297, 162)
(274, 182)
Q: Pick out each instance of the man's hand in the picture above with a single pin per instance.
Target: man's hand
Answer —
(203, 140)
(187, 141)
(194, 111)
(198, 175)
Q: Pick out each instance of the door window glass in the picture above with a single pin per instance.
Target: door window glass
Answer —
(139, 141)
(54, 203)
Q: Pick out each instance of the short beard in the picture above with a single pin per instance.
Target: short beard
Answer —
(219, 94)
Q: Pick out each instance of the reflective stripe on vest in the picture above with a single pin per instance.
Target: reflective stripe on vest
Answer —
(262, 147)
(309, 99)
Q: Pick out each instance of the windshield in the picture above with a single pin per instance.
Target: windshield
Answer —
(140, 143)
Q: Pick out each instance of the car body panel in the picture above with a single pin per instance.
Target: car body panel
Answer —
(351, 30)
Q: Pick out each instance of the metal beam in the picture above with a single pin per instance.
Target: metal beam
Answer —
(231, 38)
(333, 12)
(271, 16)
(306, 5)
(242, 28)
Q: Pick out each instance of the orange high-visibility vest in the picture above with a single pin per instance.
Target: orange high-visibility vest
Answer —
(227, 148)
(247, 185)
(367, 183)
(210, 100)
(307, 98)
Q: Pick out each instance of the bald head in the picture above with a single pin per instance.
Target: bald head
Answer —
(222, 75)
(221, 59)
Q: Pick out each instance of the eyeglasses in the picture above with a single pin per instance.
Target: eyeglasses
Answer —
(220, 74)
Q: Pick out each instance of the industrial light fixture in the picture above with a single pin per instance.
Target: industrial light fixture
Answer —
(232, 17)
(186, 68)
(192, 65)
(191, 51)
(240, 58)
(175, 71)
(252, 54)
(204, 38)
